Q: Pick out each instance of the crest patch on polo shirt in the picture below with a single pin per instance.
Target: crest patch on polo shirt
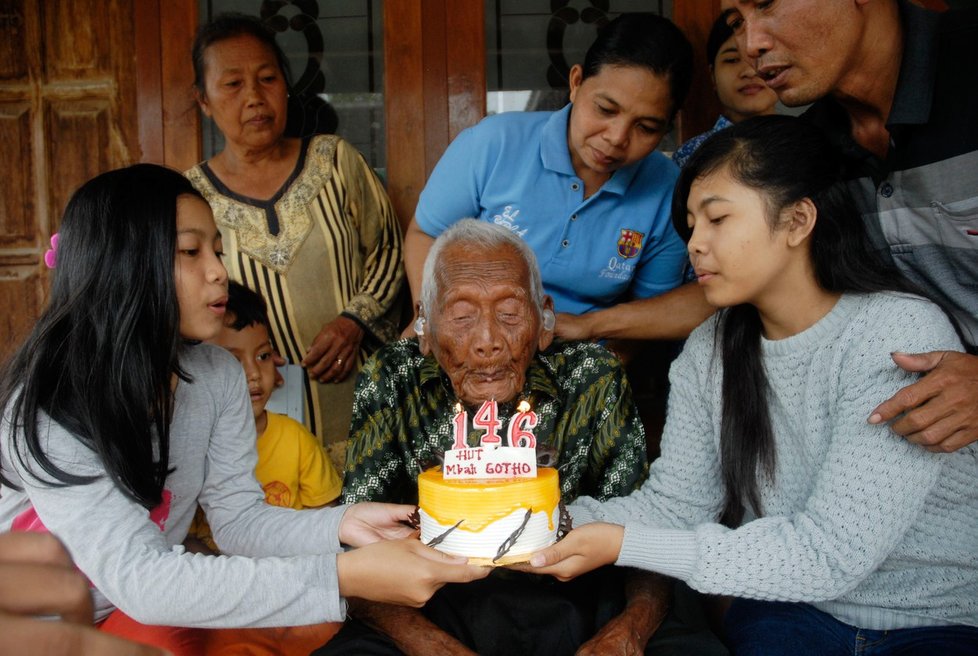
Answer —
(630, 242)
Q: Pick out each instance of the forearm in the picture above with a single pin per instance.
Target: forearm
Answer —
(672, 315)
(411, 631)
(648, 597)
(416, 246)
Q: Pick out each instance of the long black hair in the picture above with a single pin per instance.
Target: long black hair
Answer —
(786, 160)
(101, 358)
(648, 41)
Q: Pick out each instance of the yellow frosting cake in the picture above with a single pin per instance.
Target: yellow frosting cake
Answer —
(486, 515)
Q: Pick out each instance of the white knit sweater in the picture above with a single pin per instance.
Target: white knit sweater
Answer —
(863, 524)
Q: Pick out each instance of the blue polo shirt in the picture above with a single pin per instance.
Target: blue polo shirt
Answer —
(514, 169)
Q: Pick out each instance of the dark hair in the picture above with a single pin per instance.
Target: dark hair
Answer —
(227, 26)
(100, 359)
(646, 40)
(719, 34)
(785, 159)
(246, 307)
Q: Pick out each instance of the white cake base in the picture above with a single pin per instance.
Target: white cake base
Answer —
(540, 532)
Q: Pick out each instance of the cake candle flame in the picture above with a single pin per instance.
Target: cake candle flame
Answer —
(521, 425)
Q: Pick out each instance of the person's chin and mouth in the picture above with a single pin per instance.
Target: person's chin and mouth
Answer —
(261, 120)
(205, 324)
(752, 89)
(603, 162)
(776, 76)
(500, 385)
(258, 406)
(218, 307)
(713, 288)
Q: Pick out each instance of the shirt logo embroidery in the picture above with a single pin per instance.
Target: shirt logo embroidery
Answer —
(278, 493)
(507, 219)
(630, 243)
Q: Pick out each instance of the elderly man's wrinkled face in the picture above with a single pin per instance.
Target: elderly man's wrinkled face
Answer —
(484, 328)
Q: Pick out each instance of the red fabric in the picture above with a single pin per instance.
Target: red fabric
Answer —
(177, 640)
(285, 641)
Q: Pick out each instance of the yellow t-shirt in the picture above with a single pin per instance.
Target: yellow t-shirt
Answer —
(293, 470)
(293, 467)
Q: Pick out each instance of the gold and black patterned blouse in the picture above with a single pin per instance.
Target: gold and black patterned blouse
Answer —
(402, 421)
(327, 243)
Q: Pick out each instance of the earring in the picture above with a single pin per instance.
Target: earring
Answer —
(419, 326)
(549, 320)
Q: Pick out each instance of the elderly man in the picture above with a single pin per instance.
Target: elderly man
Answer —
(894, 87)
(485, 331)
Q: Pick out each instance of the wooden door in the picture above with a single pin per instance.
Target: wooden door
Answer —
(67, 113)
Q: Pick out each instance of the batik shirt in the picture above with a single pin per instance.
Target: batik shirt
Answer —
(404, 404)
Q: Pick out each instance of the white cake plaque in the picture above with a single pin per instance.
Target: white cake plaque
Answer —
(490, 463)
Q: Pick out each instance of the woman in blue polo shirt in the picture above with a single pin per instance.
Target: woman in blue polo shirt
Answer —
(581, 185)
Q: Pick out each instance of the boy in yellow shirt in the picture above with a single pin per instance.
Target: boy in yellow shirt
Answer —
(293, 468)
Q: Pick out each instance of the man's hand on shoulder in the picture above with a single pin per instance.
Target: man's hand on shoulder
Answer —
(573, 327)
(940, 411)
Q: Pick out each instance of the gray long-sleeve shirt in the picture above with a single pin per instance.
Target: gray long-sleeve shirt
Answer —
(282, 567)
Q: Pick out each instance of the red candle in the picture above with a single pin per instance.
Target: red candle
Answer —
(521, 425)
(460, 421)
(488, 418)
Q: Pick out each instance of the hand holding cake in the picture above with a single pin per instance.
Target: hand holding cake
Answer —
(582, 550)
(401, 571)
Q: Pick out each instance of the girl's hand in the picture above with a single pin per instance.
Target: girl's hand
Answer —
(403, 572)
(368, 522)
(333, 353)
(582, 550)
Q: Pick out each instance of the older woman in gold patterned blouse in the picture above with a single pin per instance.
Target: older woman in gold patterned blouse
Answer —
(305, 222)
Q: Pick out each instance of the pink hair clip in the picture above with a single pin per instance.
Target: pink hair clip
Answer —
(51, 254)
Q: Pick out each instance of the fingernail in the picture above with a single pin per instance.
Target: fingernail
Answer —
(536, 560)
(875, 418)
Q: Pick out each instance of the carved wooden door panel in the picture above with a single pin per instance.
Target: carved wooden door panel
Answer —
(67, 113)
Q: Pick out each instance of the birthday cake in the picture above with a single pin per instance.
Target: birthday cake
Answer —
(500, 521)
(490, 503)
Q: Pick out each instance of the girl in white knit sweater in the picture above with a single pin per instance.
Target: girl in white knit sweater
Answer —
(772, 486)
